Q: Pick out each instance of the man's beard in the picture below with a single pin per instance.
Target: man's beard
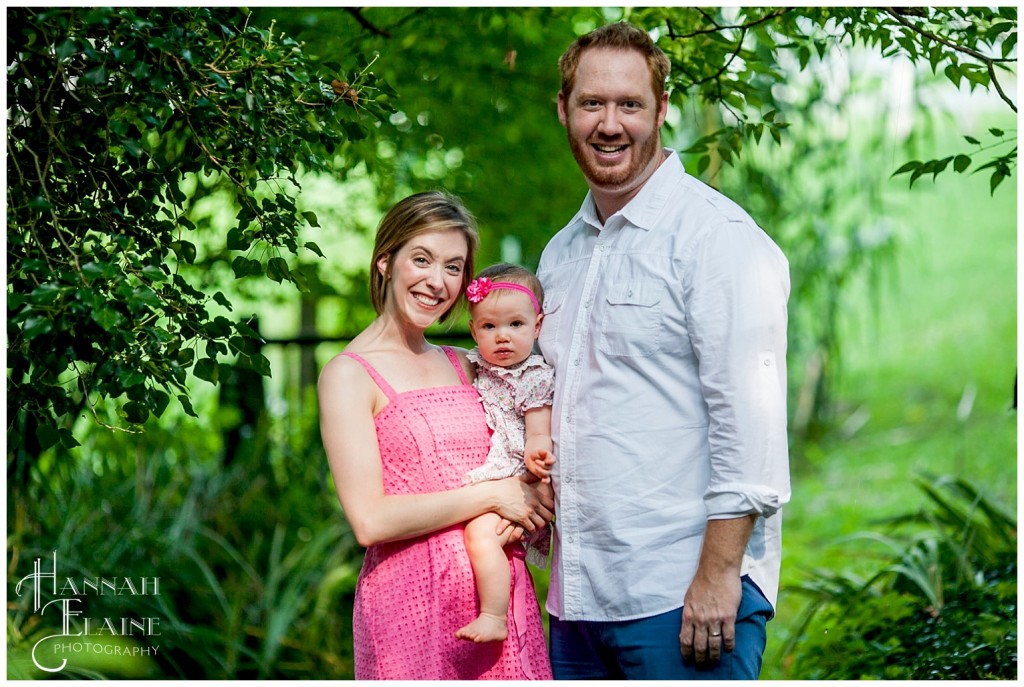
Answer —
(614, 178)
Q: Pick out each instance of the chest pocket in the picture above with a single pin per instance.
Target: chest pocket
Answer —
(632, 323)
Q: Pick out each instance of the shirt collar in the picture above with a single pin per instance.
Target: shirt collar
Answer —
(645, 208)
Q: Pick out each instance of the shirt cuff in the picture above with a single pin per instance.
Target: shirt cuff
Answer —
(736, 499)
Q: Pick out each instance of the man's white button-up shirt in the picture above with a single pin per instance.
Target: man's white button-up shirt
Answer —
(666, 327)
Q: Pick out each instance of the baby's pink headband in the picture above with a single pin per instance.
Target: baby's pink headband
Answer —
(479, 288)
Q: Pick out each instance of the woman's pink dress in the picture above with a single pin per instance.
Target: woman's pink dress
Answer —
(414, 594)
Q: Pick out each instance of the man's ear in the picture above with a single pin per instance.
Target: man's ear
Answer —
(563, 117)
(662, 109)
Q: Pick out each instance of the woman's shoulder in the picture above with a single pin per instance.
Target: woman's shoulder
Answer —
(343, 370)
(466, 359)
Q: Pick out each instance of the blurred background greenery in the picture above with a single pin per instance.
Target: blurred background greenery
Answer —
(903, 314)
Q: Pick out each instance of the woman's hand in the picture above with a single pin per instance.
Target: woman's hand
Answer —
(532, 505)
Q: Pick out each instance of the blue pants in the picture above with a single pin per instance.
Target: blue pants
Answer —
(648, 648)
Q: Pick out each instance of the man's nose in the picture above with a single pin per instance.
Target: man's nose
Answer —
(610, 123)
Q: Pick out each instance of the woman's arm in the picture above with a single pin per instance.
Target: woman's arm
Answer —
(347, 397)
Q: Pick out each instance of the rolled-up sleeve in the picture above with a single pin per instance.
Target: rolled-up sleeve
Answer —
(738, 289)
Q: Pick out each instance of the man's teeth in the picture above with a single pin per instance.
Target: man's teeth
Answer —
(610, 149)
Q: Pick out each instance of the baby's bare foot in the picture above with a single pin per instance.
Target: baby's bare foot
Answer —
(486, 628)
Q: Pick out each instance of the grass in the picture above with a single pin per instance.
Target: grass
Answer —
(927, 385)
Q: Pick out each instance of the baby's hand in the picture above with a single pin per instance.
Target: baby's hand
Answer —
(539, 462)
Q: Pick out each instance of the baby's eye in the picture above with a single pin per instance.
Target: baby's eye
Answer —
(518, 323)
(488, 326)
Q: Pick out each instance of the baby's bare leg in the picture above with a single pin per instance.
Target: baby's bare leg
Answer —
(493, 579)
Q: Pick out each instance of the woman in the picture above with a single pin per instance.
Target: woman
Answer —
(402, 424)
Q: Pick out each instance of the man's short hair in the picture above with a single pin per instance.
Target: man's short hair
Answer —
(621, 35)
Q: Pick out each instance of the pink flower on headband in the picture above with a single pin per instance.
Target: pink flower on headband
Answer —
(478, 289)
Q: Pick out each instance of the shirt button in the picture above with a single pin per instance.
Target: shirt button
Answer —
(576, 362)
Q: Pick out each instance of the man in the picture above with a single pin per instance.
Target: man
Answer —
(665, 319)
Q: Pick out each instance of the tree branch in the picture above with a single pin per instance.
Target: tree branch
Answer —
(357, 14)
(989, 62)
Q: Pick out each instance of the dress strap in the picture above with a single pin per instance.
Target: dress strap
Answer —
(453, 357)
(374, 375)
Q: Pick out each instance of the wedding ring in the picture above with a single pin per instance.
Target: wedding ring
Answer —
(716, 634)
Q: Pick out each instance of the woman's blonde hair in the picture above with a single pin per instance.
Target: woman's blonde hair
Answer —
(410, 217)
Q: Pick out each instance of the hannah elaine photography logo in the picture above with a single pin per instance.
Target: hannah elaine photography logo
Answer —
(66, 596)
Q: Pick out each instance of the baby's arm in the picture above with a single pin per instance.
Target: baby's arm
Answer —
(538, 453)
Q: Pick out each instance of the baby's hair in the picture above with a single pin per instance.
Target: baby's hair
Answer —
(504, 271)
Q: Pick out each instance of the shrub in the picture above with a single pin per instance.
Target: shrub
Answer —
(942, 607)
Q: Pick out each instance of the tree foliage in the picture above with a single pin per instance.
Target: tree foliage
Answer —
(111, 110)
(736, 59)
(121, 119)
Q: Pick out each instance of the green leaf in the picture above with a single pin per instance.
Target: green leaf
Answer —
(185, 251)
(961, 163)
(311, 218)
(244, 267)
(972, 140)
(108, 318)
(158, 402)
(66, 49)
(277, 269)
(207, 369)
(186, 404)
(154, 273)
(998, 133)
(237, 239)
(143, 295)
(995, 180)
(908, 167)
(313, 247)
(221, 299)
(47, 434)
(36, 326)
(136, 412)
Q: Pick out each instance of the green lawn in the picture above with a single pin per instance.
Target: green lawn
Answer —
(927, 386)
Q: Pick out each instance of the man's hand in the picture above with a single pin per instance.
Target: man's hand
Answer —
(709, 618)
(713, 599)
